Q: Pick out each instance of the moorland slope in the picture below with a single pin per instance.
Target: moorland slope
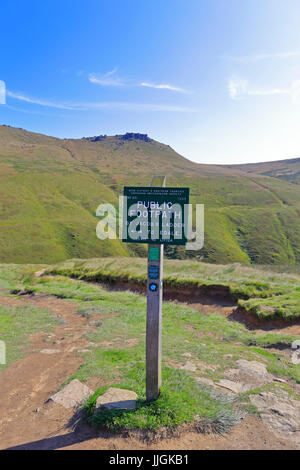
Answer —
(50, 189)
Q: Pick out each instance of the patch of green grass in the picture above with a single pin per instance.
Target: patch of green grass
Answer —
(208, 338)
(17, 323)
(10, 276)
(266, 294)
(181, 401)
(65, 288)
(284, 307)
(270, 387)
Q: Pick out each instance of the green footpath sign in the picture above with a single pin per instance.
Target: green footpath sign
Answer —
(155, 215)
(158, 216)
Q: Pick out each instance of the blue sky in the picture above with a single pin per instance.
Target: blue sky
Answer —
(218, 80)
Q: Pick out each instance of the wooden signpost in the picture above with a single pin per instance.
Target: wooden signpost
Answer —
(155, 215)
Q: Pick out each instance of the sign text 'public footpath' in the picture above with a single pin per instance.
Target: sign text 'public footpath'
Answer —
(156, 215)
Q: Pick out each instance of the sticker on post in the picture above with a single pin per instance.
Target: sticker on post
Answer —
(153, 286)
(153, 271)
(153, 253)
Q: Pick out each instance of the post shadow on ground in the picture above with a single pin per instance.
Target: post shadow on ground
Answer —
(79, 432)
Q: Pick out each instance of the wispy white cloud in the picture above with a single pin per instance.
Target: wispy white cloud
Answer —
(253, 58)
(107, 79)
(268, 91)
(111, 79)
(2, 92)
(28, 99)
(238, 88)
(128, 106)
(35, 112)
(163, 86)
(86, 106)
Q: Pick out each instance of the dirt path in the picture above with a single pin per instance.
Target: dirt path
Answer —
(28, 421)
(29, 382)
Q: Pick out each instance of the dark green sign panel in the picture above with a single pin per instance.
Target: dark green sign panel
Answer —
(155, 215)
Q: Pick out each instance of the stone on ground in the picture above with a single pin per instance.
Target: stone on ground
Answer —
(205, 381)
(40, 273)
(72, 395)
(281, 412)
(189, 366)
(255, 368)
(50, 351)
(249, 374)
(235, 387)
(116, 398)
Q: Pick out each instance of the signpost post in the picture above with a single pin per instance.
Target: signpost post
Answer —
(154, 320)
(159, 214)
(154, 314)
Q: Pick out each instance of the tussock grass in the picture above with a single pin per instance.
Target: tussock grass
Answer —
(182, 401)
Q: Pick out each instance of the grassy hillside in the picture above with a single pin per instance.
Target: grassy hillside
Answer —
(288, 170)
(50, 189)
